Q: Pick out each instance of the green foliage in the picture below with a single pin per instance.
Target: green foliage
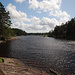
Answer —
(1, 60)
(59, 74)
(66, 31)
(60, 31)
(5, 22)
(18, 32)
(50, 34)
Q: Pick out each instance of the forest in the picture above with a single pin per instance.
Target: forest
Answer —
(5, 25)
(18, 32)
(64, 31)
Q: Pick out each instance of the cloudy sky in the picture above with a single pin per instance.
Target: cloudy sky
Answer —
(39, 15)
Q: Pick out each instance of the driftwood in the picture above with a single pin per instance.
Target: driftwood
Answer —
(53, 72)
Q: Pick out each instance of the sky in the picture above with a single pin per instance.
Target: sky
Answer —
(39, 16)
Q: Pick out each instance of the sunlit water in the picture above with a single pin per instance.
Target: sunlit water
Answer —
(42, 52)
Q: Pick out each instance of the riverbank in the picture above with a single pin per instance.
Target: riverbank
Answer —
(11, 38)
(12, 66)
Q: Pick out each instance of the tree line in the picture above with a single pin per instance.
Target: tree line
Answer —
(43, 34)
(19, 32)
(5, 25)
(65, 31)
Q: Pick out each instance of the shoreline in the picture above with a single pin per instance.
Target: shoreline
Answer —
(11, 38)
(12, 66)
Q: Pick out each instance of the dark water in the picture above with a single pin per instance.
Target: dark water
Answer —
(42, 52)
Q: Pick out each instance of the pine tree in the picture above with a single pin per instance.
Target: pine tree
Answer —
(5, 22)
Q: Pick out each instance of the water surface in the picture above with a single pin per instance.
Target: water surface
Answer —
(42, 52)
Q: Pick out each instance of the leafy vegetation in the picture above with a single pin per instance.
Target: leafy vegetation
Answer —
(65, 31)
(5, 22)
(18, 32)
(5, 25)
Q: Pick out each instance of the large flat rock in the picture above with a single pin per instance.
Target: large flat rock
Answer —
(12, 66)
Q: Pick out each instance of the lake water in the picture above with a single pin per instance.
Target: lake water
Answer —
(42, 52)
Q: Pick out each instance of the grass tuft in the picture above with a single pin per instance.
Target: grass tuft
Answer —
(1, 60)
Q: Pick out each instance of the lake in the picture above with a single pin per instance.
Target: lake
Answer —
(43, 53)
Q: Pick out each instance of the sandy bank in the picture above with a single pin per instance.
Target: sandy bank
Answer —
(12, 66)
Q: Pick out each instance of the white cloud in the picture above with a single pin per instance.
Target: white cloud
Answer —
(45, 5)
(50, 22)
(33, 4)
(38, 11)
(64, 17)
(20, 1)
(34, 24)
(53, 7)
(35, 20)
(19, 18)
(17, 15)
(44, 25)
(59, 13)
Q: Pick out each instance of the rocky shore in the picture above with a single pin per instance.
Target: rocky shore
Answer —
(12, 66)
(11, 38)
